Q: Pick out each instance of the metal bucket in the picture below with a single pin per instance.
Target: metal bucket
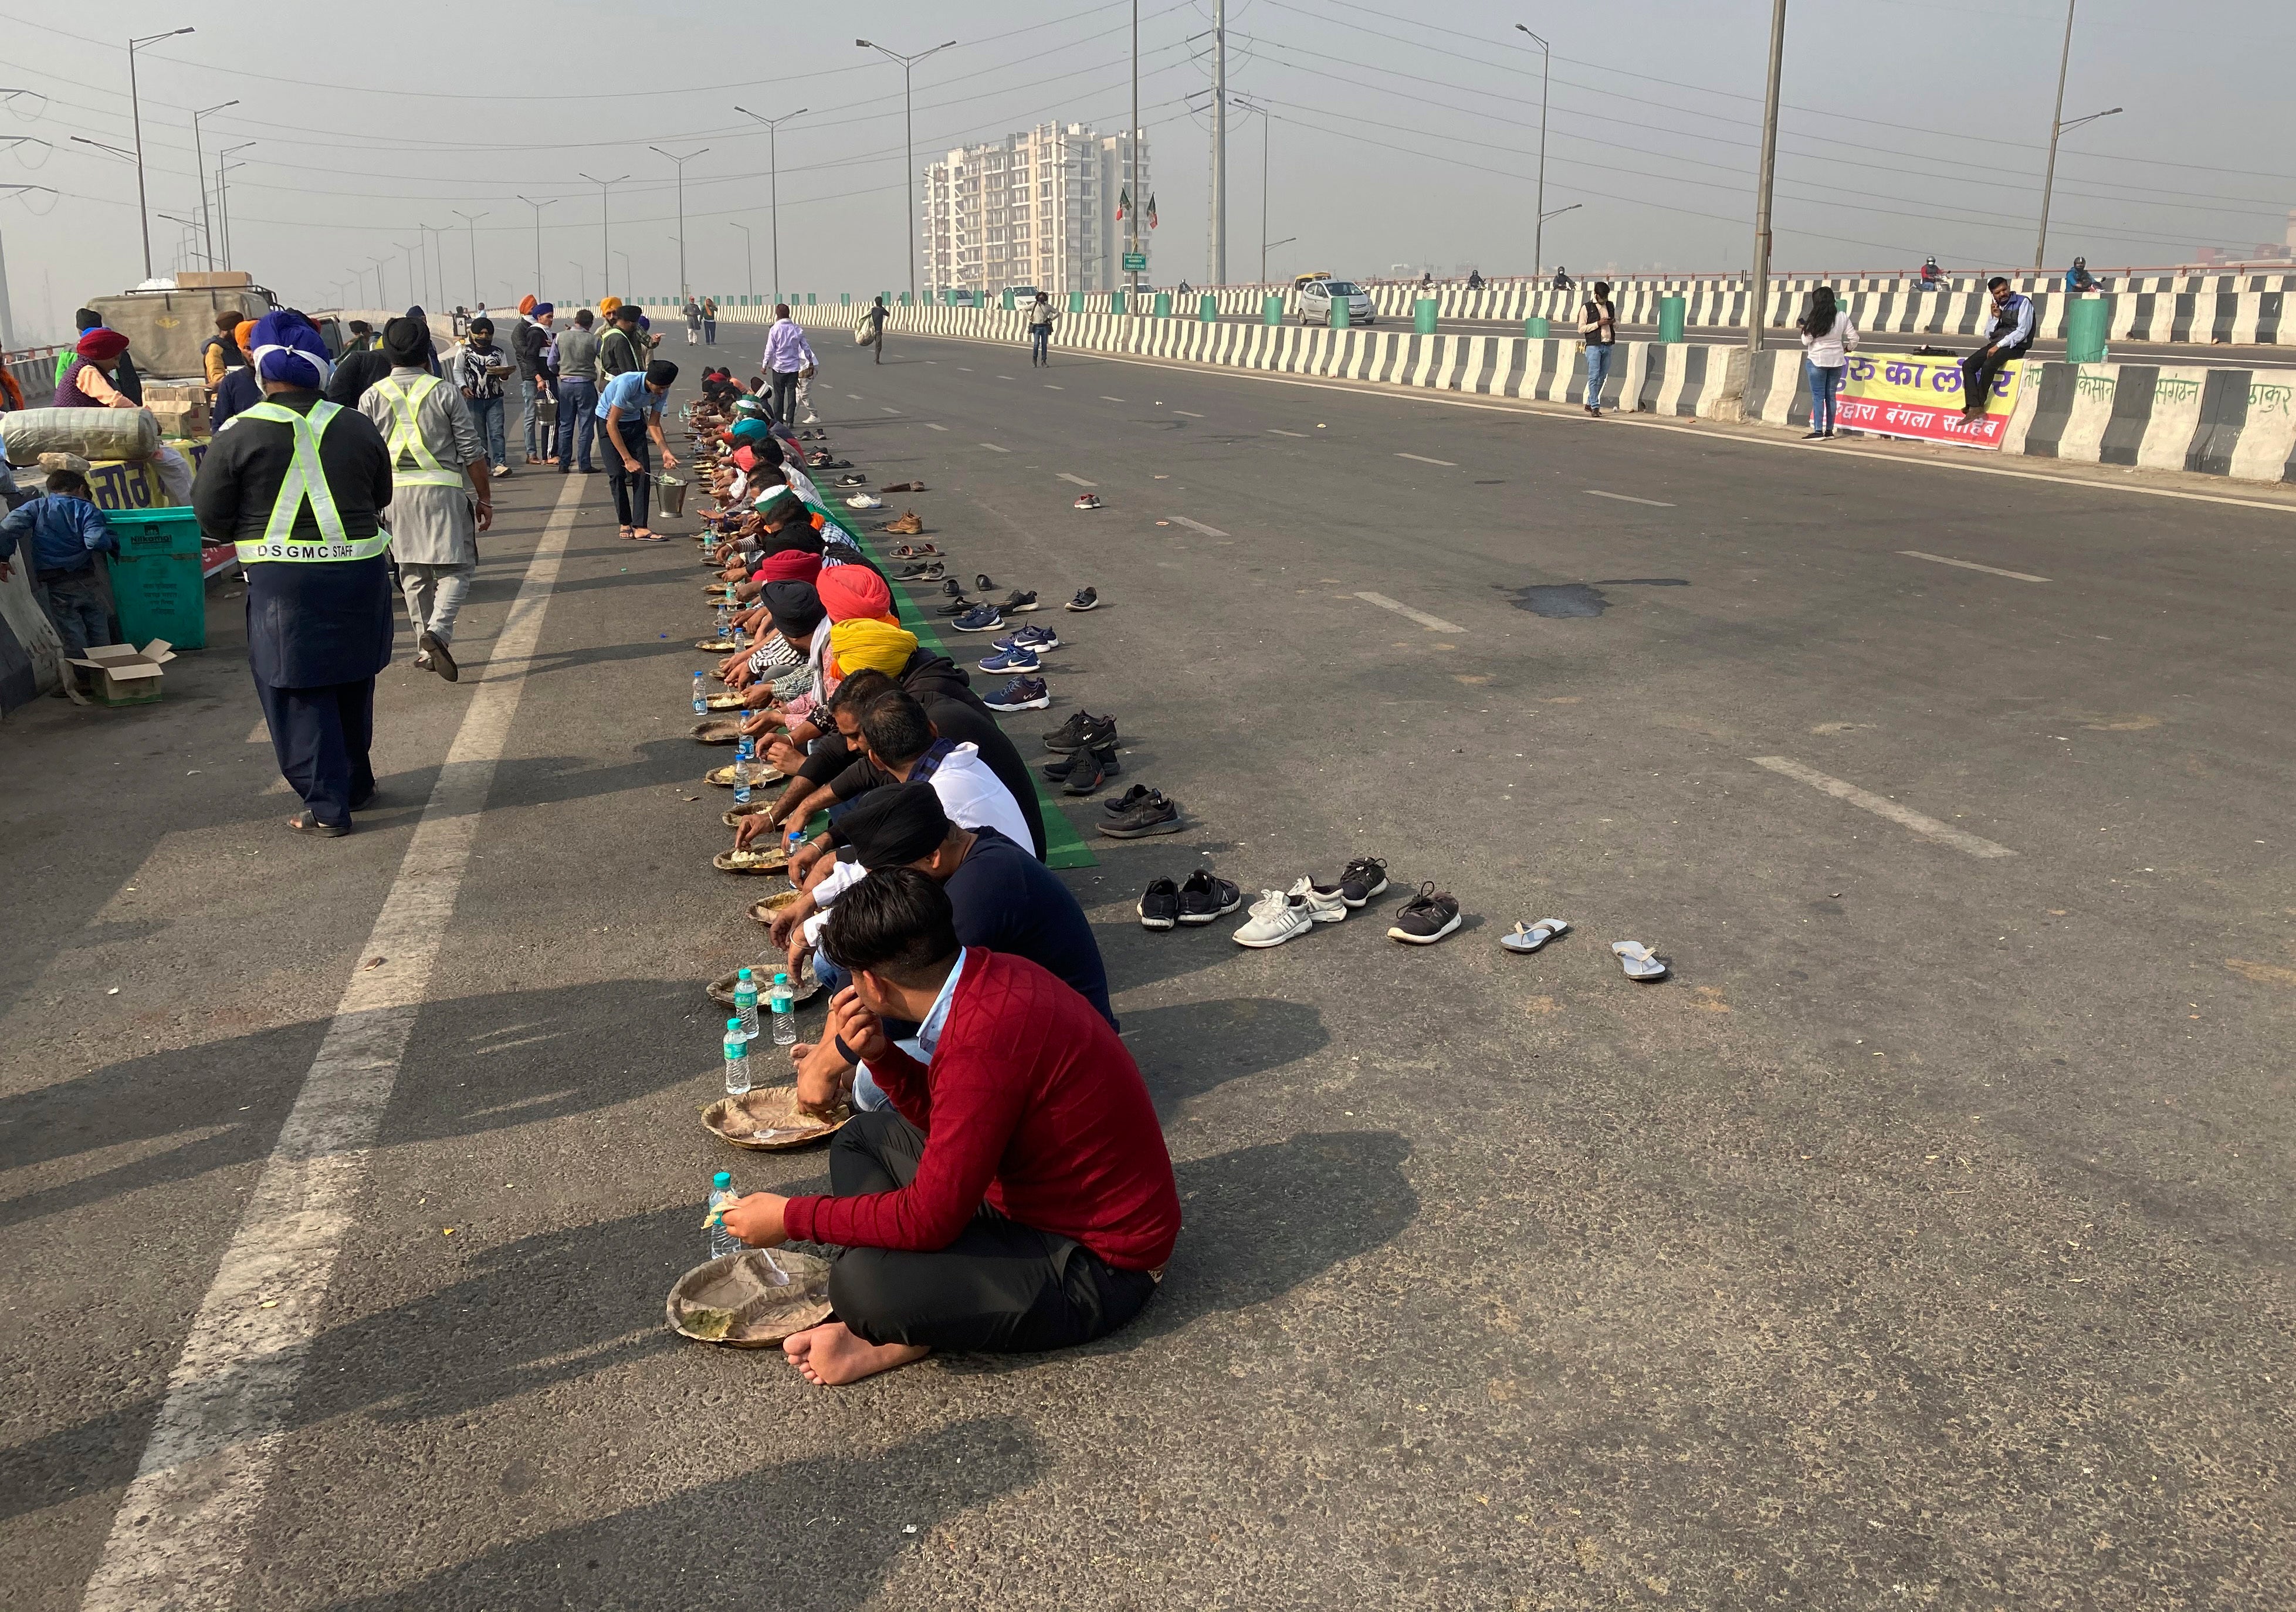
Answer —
(671, 490)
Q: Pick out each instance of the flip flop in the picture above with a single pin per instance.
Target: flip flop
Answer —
(1638, 961)
(651, 537)
(1530, 937)
(627, 533)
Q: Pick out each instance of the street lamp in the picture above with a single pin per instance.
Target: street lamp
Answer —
(538, 206)
(410, 251)
(2041, 244)
(605, 243)
(581, 279)
(1545, 69)
(7, 318)
(909, 124)
(684, 291)
(135, 108)
(625, 257)
(200, 168)
(1758, 277)
(773, 204)
(224, 165)
(191, 227)
(382, 292)
(749, 259)
(472, 220)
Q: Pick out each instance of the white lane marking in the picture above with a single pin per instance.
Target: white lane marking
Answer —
(1191, 414)
(882, 410)
(261, 733)
(1079, 481)
(180, 1536)
(1195, 526)
(1105, 398)
(1595, 492)
(856, 396)
(962, 369)
(1051, 387)
(1928, 828)
(1433, 622)
(993, 448)
(1424, 459)
(1279, 431)
(931, 427)
(1970, 565)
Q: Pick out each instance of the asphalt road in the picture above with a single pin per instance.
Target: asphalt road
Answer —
(1923, 1241)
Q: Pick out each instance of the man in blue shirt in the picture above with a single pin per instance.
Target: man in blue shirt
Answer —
(630, 410)
(2010, 335)
(66, 533)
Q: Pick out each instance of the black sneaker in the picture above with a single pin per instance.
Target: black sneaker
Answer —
(952, 586)
(1361, 879)
(982, 582)
(1018, 600)
(1086, 599)
(1426, 918)
(1204, 898)
(1083, 731)
(1154, 815)
(1087, 771)
(1160, 906)
(1125, 802)
(958, 605)
(1109, 765)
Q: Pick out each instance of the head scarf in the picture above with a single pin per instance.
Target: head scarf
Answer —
(287, 349)
(789, 565)
(607, 305)
(245, 334)
(803, 539)
(795, 608)
(779, 490)
(101, 345)
(748, 405)
(540, 308)
(848, 592)
(894, 824)
(861, 645)
(743, 459)
(750, 430)
(408, 341)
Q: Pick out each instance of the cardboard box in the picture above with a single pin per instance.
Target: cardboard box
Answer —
(125, 674)
(188, 417)
(213, 280)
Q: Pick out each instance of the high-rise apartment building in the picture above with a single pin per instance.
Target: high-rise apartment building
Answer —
(1037, 208)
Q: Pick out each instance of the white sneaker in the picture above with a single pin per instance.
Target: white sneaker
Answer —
(1276, 918)
(1323, 907)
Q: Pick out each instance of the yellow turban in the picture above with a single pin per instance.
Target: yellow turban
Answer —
(864, 643)
(606, 306)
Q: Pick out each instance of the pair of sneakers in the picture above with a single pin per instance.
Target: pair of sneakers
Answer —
(1022, 650)
(1202, 899)
(1281, 915)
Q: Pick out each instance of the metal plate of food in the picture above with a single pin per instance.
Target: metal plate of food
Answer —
(771, 861)
(805, 986)
(729, 701)
(718, 729)
(766, 1119)
(763, 910)
(760, 776)
(714, 643)
(750, 1300)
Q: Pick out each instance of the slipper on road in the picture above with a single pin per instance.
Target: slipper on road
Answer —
(1639, 960)
(1530, 937)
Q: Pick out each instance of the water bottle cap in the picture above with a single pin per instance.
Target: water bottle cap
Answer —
(781, 979)
(723, 1178)
(744, 974)
(733, 1024)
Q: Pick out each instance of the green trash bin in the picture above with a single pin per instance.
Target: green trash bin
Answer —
(1007, 295)
(1536, 328)
(1422, 315)
(155, 577)
(1670, 312)
(1338, 314)
(1163, 304)
(1116, 302)
(1271, 310)
(1075, 302)
(2088, 322)
(1208, 308)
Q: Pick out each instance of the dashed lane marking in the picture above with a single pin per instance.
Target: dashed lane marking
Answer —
(1051, 387)
(993, 448)
(181, 1534)
(1106, 398)
(931, 427)
(886, 411)
(1275, 430)
(1928, 828)
(1595, 492)
(1191, 414)
(1970, 565)
(1424, 459)
(1434, 624)
(1079, 481)
(1195, 526)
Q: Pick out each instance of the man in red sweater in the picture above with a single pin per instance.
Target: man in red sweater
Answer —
(1016, 1196)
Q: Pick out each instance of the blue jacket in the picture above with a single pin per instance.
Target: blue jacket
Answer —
(66, 532)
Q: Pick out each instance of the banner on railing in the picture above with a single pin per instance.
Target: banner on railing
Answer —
(1886, 395)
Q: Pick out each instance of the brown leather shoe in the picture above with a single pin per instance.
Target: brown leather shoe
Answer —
(908, 524)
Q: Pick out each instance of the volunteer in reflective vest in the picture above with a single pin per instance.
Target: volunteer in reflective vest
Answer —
(435, 516)
(298, 484)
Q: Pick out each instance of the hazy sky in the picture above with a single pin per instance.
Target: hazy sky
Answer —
(1399, 135)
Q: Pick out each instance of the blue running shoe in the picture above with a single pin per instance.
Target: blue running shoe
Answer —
(1011, 660)
(980, 619)
(1039, 639)
(1020, 694)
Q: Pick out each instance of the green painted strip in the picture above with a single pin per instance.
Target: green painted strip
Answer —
(1065, 848)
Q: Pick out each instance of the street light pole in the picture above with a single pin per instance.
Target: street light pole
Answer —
(1546, 70)
(685, 291)
(605, 238)
(200, 167)
(136, 109)
(909, 146)
(538, 206)
(472, 220)
(774, 162)
(1758, 280)
(224, 165)
(749, 259)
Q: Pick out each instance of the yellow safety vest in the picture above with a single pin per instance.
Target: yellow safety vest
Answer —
(305, 481)
(412, 462)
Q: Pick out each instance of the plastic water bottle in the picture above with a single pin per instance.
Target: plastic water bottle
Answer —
(785, 1010)
(721, 1195)
(725, 618)
(737, 1058)
(744, 751)
(701, 697)
(745, 1003)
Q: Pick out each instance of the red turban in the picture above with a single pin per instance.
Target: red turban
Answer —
(847, 591)
(100, 346)
(789, 565)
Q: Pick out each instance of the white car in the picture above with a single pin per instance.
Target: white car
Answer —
(1315, 298)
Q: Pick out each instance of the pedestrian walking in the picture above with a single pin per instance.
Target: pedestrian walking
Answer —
(710, 320)
(530, 346)
(787, 352)
(630, 410)
(1828, 337)
(298, 484)
(578, 392)
(2009, 337)
(692, 320)
(441, 497)
(480, 368)
(1040, 329)
(877, 315)
(1598, 329)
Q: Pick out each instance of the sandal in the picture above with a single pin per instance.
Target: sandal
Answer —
(628, 532)
(1530, 937)
(1639, 960)
(914, 550)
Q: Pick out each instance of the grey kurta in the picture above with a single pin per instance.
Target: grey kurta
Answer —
(432, 525)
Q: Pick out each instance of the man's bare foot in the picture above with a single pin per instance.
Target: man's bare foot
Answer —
(830, 1355)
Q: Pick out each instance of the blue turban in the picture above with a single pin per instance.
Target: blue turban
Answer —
(541, 309)
(288, 350)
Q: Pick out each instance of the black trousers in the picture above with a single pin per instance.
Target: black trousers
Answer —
(631, 487)
(321, 737)
(1980, 370)
(784, 402)
(1001, 1285)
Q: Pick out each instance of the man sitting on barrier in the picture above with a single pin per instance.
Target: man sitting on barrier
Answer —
(2010, 335)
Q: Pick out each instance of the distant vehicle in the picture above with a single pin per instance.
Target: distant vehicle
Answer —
(1316, 297)
(962, 296)
(1298, 281)
(1023, 293)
